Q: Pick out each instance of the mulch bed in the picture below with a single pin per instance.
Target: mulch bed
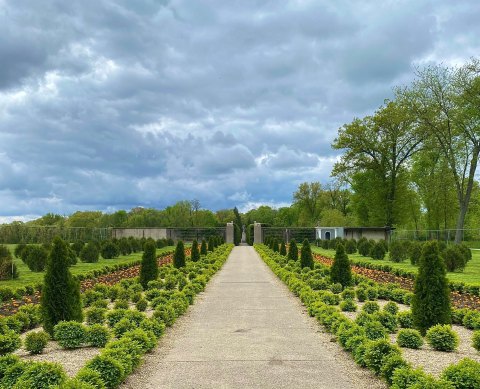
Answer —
(459, 300)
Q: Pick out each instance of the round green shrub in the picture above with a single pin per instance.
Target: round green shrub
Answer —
(95, 315)
(98, 335)
(109, 250)
(74, 383)
(399, 251)
(388, 320)
(351, 246)
(409, 338)
(391, 307)
(471, 320)
(348, 294)
(476, 340)
(7, 361)
(9, 342)
(361, 294)
(146, 339)
(415, 252)
(348, 306)
(377, 251)
(13, 373)
(405, 319)
(36, 258)
(90, 253)
(91, 377)
(35, 342)
(157, 327)
(69, 334)
(371, 307)
(336, 288)
(111, 372)
(377, 352)
(141, 305)
(374, 330)
(41, 375)
(453, 258)
(390, 364)
(372, 293)
(114, 316)
(121, 304)
(364, 248)
(463, 375)
(123, 326)
(442, 338)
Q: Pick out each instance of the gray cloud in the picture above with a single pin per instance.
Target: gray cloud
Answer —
(112, 104)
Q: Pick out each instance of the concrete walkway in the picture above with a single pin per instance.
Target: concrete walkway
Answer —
(248, 331)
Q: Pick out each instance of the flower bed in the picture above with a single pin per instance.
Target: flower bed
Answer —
(367, 336)
(117, 331)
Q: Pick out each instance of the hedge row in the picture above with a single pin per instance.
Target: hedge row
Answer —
(370, 348)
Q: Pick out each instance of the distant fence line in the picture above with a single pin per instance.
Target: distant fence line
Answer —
(14, 234)
(447, 235)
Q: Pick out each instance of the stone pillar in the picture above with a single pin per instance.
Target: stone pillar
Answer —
(257, 233)
(229, 233)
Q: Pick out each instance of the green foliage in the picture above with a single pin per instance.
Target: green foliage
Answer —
(399, 251)
(203, 248)
(90, 253)
(146, 339)
(283, 248)
(405, 319)
(340, 271)
(41, 375)
(141, 305)
(179, 256)
(35, 257)
(374, 330)
(293, 251)
(149, 265)
(371, 307)
(415, 252)
(124, 325)
(454, 258)
(348, 306)
(111, 372)
(431, 302)
(351, 246)
(378, 251)
(364, 247)
(70, 334)
(109, 250)
(464, 375)
(476, 340)
(9, 342)
(306, 257)
(377, 352)
(60, 298)
(95, 315)
(8, 270)
(442, 338)
(391, 307)
(195, 252)
(211, 244)
(409, 338)
(35, 342)
(91, 377)
(97, 335)
(471, 320)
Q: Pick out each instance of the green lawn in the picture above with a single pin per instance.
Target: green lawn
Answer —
(28, 277)
(471, 274)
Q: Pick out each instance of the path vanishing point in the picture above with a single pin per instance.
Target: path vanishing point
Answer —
(247, 330)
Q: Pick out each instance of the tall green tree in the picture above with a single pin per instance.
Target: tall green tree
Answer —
(203, 247)
(195, 253)
(306, 257)
(310, 200)
(340, 272)
(293, 250)
(149, 265)
(381, 144)
(60, 300)
(446, 104)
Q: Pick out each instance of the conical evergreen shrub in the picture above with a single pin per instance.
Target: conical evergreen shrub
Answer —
(275, 245)
(179, 256)
(149, 265)
(60, 299)
(203, 247)
(210, 244)
(306, 258)
(195, 253)
(283, 249)
(293, 250)
(340, 272)
(431, 300)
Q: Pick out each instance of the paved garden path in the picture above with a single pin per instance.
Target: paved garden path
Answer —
(248, 331)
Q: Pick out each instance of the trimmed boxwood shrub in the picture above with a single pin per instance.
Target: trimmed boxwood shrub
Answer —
(283, 248)
(340, 272)
(141, 305)
(371, 307)
(377, 352)
(351, 246)
(149, 265)
(166, 314)
(36, 258)
(41, 375)
(415, 252)
(9, 342)
(391, 307)
(390, 363)
(90, 377)
(374, 330)
(155, 326)
(388, 320)
(145, 338)
(409, 338)
(476, 340)
(306, 257)
(95, 315)
(399, 251)
(69, 334)
(195, 252)
(35, 342)
(471, 320)
(111, 372)
(464, 375)
(348, 306)
(431, 302)
(97, 335)
(90, 253)
(405, 319)
(8, 269)
(364, 248)
(442, 338)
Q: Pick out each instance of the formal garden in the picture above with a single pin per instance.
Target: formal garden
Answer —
(413, 337)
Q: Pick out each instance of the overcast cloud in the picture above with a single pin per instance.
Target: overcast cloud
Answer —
(114, 104)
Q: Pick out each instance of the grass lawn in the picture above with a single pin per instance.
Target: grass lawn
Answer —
(471, 274)
(28, 277)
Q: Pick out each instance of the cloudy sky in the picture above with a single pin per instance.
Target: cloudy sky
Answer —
(112, 104)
